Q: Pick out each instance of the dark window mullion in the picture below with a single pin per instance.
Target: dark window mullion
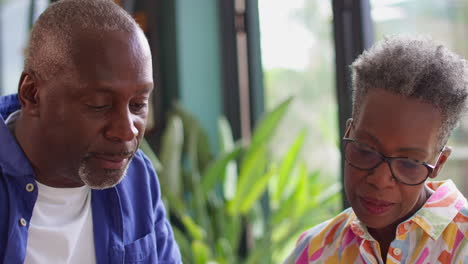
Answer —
(353, 32)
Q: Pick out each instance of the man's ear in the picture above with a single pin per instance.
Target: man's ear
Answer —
(28, 94)
(349, 122)
(441, 161)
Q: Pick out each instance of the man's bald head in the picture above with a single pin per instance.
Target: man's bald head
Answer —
(51, 46)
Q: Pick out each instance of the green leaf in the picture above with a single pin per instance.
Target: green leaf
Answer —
(196, 232)
(224, 251)
(204, 151)
(171, 153)
(184, 245)
(233, 229)
(193, 127)
(253, 164)
(201, 252)
(226, 141)
(300, 194)
(215, 219)
(252, 169)
(174, 203)
(230, 180)
(201, 211)
(329, 192)
(217, 169)
(192, 152)
(267, 126)
(198, 199)
(288, 164)
(256, 190)
(148, 150)
(226, 144)
(297, 200)
(315, 187)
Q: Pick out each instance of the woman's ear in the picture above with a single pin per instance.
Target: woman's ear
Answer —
(444, 155)
(28, 94)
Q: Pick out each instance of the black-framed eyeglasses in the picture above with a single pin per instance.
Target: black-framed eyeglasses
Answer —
(404, 170)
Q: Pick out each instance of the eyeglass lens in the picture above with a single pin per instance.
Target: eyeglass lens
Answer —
(404, 169)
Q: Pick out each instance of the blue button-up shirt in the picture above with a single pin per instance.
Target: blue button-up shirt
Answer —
(129, 220)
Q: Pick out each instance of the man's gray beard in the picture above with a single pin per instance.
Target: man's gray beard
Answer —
(113, 177)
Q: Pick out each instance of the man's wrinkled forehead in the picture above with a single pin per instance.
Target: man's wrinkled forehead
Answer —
(102, 54)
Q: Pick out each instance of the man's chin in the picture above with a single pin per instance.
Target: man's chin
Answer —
(102, 178)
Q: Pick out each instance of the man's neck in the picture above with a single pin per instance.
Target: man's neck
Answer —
(30, 143)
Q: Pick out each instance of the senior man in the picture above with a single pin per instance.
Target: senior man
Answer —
(74, 188)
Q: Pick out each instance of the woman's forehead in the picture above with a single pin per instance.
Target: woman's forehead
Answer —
(399, 121)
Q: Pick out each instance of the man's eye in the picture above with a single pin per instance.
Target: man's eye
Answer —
(98, 107)
(138, 106)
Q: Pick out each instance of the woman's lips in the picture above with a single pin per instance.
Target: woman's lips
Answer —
(375, 206)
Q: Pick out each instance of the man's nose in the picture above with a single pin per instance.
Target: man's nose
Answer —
(121, 126)
(381, 177)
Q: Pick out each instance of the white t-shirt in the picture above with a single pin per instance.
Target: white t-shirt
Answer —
(61, 227)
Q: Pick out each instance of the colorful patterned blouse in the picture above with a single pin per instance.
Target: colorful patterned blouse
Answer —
(437, 233)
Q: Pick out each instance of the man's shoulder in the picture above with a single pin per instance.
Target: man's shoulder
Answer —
(140, 177)
(140, 162)
(8, 105)
(140, 186)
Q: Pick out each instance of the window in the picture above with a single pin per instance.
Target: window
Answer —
(14, 23)
(298, 60)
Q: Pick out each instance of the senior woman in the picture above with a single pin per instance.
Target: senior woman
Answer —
(408, 95)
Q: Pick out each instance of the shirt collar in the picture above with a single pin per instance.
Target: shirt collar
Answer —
(440, 209)
(10, 122)
(437, 213)
(12, 159)
(360, 229)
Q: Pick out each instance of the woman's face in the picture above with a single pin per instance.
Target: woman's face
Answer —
(395, 126)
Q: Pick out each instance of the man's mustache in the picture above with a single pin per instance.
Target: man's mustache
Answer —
(121, 153)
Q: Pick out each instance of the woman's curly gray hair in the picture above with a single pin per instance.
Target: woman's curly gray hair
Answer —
(416, 68)
(50, 43)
